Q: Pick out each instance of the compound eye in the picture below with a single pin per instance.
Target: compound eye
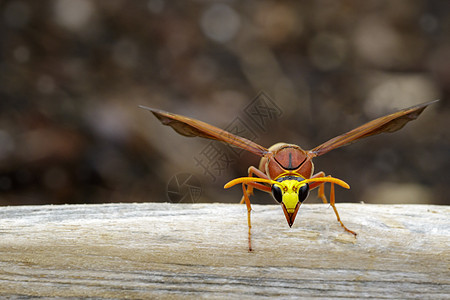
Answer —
(302, 192)
(277, 193)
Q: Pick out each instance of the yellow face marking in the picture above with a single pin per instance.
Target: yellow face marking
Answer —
(290, 190)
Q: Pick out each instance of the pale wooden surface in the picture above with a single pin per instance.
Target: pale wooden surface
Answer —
(200, 250)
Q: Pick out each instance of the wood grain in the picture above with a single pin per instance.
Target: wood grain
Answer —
(161, 250)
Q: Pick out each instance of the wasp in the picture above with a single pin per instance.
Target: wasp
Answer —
(286, 170)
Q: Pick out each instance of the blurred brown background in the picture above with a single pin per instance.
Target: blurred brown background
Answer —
(72, 74)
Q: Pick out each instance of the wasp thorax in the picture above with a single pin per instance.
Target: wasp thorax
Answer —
(287, 158)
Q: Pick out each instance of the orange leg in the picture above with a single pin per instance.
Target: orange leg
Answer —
(248, 190)
(321, 194)
(251, 172)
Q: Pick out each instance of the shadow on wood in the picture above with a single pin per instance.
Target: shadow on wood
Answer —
(191, 250)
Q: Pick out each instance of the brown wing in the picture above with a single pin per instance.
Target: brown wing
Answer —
(389, 123)
(191, 127)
